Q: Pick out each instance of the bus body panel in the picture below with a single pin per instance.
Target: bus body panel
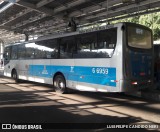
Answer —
(96, 73)
(8, 68)
(37, 70)
(22, 69)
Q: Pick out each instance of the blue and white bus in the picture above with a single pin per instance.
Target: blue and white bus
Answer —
(117, 58)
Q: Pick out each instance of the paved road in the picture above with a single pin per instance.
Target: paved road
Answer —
(36, 103)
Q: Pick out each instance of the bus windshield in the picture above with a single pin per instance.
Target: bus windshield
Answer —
(139, 37)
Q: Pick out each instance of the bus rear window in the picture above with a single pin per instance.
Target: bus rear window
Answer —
(139, 38)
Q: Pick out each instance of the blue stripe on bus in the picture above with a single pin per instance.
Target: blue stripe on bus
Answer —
(94, 75)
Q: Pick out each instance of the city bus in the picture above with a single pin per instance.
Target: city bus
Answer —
(113, 58)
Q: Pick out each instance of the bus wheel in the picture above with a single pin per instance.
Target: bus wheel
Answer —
(60, 84)
(15, 76)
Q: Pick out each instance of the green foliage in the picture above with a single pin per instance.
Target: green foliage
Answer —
(150, 20)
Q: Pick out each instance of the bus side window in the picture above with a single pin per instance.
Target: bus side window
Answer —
(52, 49)
(40, 53)
(67, 47)
(84, 46)
(48, 49)
(14, 53)
(21, 51)
(106, 43)
(7, 55)
(29, 51)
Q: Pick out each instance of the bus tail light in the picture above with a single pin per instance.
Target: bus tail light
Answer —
(134, 83)
(142, 74)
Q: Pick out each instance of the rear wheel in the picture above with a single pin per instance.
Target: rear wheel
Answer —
(59, 83)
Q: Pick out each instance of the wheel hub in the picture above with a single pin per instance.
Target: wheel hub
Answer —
(61, 85)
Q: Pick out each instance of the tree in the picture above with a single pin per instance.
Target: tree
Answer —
(150, 20)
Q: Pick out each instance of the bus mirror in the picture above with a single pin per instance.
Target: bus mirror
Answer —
(4, 55)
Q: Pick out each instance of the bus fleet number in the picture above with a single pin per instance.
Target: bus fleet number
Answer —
(100, 70)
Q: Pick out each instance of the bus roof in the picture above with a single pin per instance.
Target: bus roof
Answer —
(66, 34)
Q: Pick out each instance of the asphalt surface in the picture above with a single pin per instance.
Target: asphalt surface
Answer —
(29, 102)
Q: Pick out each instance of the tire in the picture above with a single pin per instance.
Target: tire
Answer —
(59, 84)
(15, 76)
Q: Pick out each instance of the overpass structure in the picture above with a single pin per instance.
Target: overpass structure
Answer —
(41, 17)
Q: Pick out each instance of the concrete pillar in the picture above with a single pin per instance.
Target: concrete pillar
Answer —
(72, 24)
(1, 49)
(26, 37)
(1, 52)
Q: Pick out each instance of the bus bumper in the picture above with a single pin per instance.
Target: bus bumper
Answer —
(130, 85)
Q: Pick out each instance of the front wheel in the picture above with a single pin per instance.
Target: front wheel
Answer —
(59, 83)
(15, 76)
